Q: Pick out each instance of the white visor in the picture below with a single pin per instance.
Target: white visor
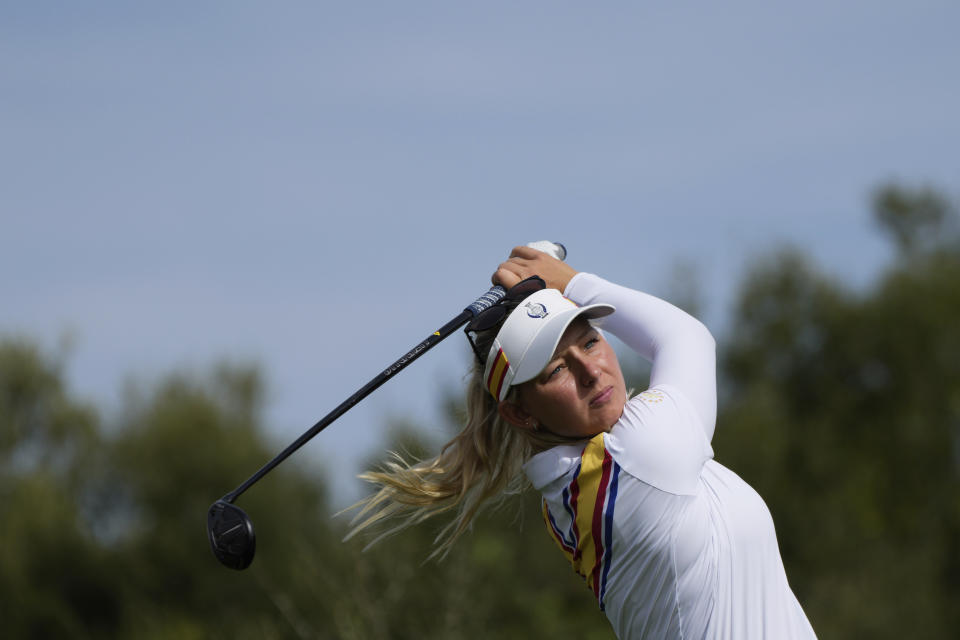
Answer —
(528, 337)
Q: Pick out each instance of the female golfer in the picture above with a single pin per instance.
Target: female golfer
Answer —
(672, 544)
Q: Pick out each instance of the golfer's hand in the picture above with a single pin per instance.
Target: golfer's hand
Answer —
(525, 262)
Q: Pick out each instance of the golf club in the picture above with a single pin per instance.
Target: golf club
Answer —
(230, 529)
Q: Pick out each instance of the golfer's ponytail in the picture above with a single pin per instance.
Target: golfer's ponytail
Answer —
(478, 466)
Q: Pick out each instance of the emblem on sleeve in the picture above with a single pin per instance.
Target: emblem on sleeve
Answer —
(652, 396)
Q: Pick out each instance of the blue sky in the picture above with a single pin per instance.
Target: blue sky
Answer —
(318, 186)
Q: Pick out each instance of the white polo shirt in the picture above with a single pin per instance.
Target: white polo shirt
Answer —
(672, 544)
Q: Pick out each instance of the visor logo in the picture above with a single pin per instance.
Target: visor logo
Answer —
(536, 310)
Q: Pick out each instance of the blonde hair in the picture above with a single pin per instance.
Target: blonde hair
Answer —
(480, 465)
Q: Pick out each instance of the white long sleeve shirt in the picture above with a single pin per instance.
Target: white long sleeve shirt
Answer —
(672, 544)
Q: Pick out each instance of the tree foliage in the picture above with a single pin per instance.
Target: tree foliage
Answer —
(842, 408)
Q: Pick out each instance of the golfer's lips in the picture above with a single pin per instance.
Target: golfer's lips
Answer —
(601, 398)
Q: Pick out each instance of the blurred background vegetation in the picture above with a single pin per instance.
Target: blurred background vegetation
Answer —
(841, 407)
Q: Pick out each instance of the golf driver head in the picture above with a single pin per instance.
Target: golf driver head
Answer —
(231, 535)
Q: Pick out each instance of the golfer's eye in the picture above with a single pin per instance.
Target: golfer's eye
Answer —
(591, 343)
(554, 371)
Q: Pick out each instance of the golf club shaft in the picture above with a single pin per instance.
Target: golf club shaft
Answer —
(489, 298)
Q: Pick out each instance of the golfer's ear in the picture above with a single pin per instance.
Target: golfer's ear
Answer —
(512, 413)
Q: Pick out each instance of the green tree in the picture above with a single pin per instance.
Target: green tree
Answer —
(103, 536)
(917, 220)
(50, 583)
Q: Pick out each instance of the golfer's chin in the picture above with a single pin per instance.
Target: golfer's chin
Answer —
(608, 407)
